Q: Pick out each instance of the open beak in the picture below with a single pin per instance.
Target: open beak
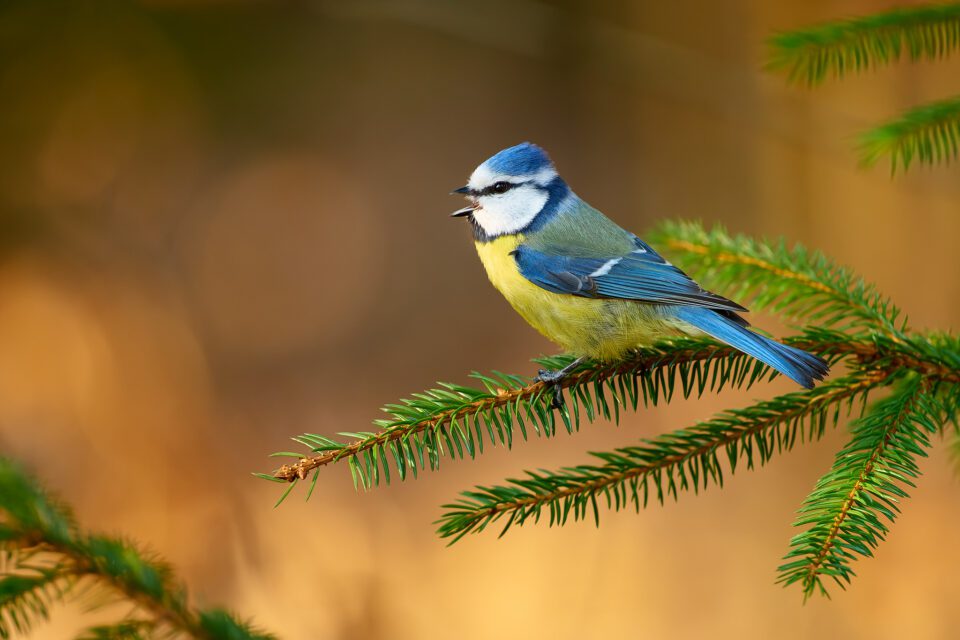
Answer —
(459, 213)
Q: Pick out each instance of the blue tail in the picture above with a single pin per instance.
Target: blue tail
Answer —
(801, 367)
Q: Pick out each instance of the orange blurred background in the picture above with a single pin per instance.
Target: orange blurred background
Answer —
(225, 223)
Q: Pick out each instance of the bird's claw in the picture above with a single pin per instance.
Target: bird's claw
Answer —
(557, 401)
(552, 379)
(548, 377)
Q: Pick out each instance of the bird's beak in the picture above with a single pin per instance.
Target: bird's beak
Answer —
(459, 213)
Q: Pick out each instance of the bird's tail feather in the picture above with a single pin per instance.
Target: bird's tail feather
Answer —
(801, 367)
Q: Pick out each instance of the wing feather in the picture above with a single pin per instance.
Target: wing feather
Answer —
(641, 275)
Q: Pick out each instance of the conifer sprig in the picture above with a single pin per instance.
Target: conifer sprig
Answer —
(928, 134)
(46, 559)
(847, 510)
(458, 421)
(684, 460)
(857, 326)
(792, 281)
(854, 45)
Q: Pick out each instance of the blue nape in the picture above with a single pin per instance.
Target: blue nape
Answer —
(523, 159)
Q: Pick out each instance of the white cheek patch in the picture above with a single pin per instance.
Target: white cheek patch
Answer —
(509, 212)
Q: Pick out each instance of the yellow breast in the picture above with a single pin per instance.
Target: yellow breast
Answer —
(602, 329)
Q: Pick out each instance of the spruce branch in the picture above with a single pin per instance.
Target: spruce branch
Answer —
(854, 45)
(438, 422)
(792, 281)
(424, 426)
(46, 555)
(929, 134)
(26, 598)
(457, 420)
(687, 459)
(846, 511)
(856, 327)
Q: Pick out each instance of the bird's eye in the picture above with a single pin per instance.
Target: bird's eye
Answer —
(501, 187)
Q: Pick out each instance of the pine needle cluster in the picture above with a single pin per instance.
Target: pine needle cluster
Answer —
(927, 134)
(846, 321)
(46, 560)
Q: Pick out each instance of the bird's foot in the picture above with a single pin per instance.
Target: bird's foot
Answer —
(549, 377)
(553, 380)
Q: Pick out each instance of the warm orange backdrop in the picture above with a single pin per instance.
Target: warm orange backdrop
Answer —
(224, 223)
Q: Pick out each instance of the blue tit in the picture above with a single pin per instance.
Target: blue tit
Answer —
(588, 285)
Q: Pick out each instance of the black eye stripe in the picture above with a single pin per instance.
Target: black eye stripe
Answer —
(498, 188)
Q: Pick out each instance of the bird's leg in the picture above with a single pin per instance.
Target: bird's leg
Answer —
(553, 379)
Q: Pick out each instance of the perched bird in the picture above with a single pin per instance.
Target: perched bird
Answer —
(588, 285)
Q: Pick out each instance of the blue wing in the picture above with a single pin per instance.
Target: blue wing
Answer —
(640, 275)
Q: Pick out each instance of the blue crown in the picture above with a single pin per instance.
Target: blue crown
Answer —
(525, 158)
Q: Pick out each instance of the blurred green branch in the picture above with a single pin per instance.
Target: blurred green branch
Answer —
(857, 44)
(857, 326)
(46, 559)
(929, 134)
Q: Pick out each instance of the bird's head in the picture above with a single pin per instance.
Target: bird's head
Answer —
(509, 190)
